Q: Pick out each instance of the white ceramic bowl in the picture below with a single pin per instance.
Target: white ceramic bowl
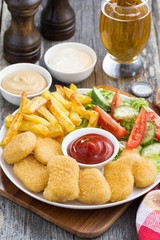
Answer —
(70, 77)
(83, 131)
(15, 98)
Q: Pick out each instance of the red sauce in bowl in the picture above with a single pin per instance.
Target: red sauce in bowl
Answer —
(91, 149)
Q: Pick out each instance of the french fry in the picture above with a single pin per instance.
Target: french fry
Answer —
(63, 120)
(82, 98)
(36, 119)
(12, 131)
(34, 127)
(47, 95)
(73, 87)
(60, 90)
(75, 118)
(28, 126)
(33, 105)
(62, 100)
(55, 131)
(78, 107)
(68, 92)
(93, 120)
(24, 100)
(49, 116)
(8, 120)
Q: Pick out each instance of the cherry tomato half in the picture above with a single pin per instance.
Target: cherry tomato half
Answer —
(138, 130)
(152, 116)
(109, 124)
(116, 102)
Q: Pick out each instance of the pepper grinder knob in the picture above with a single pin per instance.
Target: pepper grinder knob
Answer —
(57, 20)
(22, 40)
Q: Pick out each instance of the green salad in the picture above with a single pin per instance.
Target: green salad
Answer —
(130, 120)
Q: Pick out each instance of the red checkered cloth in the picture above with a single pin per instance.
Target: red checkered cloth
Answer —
(148, 217)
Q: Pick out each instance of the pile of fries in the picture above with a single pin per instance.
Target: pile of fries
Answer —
(54, 114)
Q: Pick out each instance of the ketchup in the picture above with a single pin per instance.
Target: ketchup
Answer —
(91, 149)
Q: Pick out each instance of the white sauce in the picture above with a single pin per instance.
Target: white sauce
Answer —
(70, 60)
(142, 89)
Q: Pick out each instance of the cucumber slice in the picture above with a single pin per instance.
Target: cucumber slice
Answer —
(125, 112)
(149, 134)
(150, 150)
(99, 99)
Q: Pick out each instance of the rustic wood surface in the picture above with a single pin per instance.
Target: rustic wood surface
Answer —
(18, 223)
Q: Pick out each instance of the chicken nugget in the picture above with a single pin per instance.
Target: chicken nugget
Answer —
(46, 149)
(120, 179)
(144, 172)
(19, 147)
(33, 174)
(129, 154)
(63, 179)
(94, 189)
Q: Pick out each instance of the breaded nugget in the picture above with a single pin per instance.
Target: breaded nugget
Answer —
(63, 179)
(129, 154)
(33, 174)
(94, 189)
(46, 149)
(144, 172)
(120, 179)
(19, 147)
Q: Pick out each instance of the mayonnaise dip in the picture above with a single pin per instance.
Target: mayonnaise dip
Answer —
(24, 80)
(70, 60)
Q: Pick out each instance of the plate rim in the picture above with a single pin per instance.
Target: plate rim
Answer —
(82, 206)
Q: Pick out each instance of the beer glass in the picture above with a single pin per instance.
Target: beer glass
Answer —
(124, 31)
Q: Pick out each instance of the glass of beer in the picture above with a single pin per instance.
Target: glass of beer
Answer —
(124, 30)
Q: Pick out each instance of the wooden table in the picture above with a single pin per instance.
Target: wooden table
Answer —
(18, 223)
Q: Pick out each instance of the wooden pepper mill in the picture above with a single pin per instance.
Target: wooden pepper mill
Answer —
(22, 40)
(57, 20)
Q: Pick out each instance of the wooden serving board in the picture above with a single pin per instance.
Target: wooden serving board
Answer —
(83, 223)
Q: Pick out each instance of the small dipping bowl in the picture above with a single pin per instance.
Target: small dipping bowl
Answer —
(75, 76)
(16, 98)
(84, 131)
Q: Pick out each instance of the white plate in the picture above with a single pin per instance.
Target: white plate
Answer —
(137, 192)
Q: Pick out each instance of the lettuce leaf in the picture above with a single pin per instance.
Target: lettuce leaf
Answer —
(128, 125)
(108, 95)
(155, 158)
(136, 103)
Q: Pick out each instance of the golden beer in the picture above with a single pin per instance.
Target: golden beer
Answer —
(125, 28)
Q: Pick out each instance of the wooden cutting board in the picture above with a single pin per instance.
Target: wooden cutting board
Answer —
(83, 223)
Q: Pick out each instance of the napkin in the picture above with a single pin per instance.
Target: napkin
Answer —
(148, 217)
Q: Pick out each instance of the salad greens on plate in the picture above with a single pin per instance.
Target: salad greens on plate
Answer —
(129, 120)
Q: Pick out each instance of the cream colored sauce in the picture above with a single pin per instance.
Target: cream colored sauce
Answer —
(25, 80)
(70, 60)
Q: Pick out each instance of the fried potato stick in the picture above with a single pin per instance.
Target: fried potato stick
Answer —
(62, 100)
(33, 105)
(93, 120)
(78, 107)
(24, 100)
(60, 90)
(73, 87)
(49, 116)
(12, 131)
(63, 120)
(55, 131)
(82, 98)
(47, 95)
(36, 119)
